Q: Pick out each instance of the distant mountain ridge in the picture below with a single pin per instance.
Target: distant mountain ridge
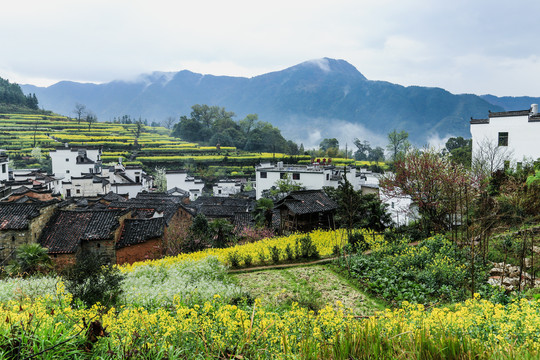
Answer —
(313, 100)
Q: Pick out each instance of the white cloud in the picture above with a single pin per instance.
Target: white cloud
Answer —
(463, 46)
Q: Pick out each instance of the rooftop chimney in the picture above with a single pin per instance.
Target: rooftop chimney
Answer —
(534, 109)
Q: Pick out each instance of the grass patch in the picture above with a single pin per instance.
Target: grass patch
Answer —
(310, 286)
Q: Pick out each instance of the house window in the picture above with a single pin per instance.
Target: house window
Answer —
(263, 175)
(68, 192)
(282, 175)
(78, 191)
(67, 159)
(4, 168)
(296, 176)
(67, 171)
(503, 139)
(137, 179)
(327, 176)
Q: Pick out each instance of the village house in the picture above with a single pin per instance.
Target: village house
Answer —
(22, 224)
(68, 162)
(221, 207)
(181, 180)
(70, 232)
(312, 177)
(4, 168)
(84, 175)
(24, 194)
(227, 187)
(511, 134)
(38, 178)
(306, 210)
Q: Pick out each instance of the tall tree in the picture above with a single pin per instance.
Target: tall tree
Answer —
(329, 143)
(398, 143)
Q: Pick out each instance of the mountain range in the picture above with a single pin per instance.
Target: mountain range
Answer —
(316, 99)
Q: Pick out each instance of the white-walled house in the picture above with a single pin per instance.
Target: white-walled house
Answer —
(181, 180)
(75, 162)
(86, 186)
(312, 177)
(38, 177)
(84, 175)
(227, 187)
(4, 168)
(511, 134)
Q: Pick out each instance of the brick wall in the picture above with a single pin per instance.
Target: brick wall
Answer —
(150, 249)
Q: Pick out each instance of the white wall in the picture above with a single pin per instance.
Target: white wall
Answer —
(64, 163)
(523, 140)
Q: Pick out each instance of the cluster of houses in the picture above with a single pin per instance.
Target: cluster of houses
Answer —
(115, 211)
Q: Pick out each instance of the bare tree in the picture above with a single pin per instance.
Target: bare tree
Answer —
(169, 122)
(488, 157)
(80, 111)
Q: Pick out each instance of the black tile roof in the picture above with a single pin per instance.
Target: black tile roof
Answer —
(137, 231)
(221, 207)
(145, 208)
(68, 228)
(14, 216)
(509, 113)
(244, 219)
(307, 201)
(479, 121)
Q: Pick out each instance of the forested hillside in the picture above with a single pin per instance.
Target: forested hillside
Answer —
(12, 98)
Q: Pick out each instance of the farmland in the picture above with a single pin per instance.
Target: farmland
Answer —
(151, 147)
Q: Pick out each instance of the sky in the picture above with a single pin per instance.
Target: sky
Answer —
(473, 46)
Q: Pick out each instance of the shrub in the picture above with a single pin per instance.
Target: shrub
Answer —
(274, 254)
(308, 248)
(233, 258)
(91, 280)
(248, 260)
(289, 252)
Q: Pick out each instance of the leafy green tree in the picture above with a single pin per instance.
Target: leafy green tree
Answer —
(222, 232)
(460, 150)
(376, 154)
(284, 186)
(329, 143)
(263, 212)
(398, 143)
(92, 280)
(363, 149)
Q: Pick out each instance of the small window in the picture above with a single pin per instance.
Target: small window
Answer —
(282, 175)
(327, 176)
(67, 171)
(78, 191)
(67, 159)
(12, 238)
(219, 191)
(3, 168)
(503, 139)
(296, 176)
(263, 174)
(137, 179)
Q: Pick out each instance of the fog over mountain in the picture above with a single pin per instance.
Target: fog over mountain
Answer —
(316, 99)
